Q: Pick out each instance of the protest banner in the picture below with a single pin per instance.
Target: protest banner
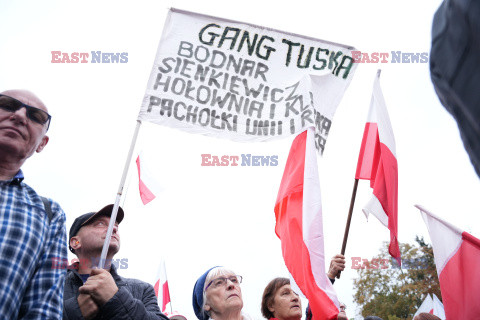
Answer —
(244, 82)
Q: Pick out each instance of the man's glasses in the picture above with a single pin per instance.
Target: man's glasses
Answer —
(35, 114)
(222, 281)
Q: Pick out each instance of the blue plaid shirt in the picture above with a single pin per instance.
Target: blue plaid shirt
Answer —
(31, 279)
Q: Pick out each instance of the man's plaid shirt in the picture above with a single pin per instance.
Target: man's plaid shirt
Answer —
(31, 286)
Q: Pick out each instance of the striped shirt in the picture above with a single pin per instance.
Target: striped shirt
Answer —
(31, 286)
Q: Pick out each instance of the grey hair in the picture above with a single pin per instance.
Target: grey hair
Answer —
(211, 275)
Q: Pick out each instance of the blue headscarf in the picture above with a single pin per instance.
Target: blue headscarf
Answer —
(197, 299)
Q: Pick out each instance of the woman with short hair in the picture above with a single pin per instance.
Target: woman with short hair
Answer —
(280, 302)
(217, 295)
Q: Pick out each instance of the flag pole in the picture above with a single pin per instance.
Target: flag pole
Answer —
(113, 217)
(349, 219)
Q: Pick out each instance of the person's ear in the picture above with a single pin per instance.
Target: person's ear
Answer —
(207, 307)
(75, 243)
(42, 144)
(270, 307)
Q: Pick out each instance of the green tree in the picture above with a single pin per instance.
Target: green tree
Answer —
(390, 292)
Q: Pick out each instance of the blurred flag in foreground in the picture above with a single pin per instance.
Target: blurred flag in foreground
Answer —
(161, 287)
(457, 257)
(145, 194)
(377, 162)
(432, 306)
(299, 226)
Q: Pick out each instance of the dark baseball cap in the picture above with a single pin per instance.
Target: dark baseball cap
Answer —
(86, 218)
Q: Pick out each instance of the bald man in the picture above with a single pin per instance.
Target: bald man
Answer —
(32, 228)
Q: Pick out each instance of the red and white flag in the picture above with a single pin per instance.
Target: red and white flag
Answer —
(299, 226)
(377, 162)
(145, 193)
(457, 258)
(161, 287)
(432, 306)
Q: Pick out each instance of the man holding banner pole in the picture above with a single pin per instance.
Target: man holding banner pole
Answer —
(92, 292)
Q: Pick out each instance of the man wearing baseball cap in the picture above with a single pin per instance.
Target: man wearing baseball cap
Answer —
(92, 293)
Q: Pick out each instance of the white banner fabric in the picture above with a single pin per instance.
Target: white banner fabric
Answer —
(244, 82)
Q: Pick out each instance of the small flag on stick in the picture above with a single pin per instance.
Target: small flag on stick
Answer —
(161, 287)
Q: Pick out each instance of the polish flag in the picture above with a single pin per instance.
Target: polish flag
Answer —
(145, 194)
(377, 162)
(432, 306)
(161, 287)
(457, 258)
(299, 226)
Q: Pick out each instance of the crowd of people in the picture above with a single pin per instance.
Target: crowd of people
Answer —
(33, 237)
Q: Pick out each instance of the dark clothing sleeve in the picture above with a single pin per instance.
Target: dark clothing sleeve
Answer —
(71, 309)
(124, 306)
(455, 70)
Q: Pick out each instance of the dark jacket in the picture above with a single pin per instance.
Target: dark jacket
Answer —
(134, 299)
(455, 68)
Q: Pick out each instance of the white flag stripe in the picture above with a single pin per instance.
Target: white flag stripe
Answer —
(375, 207)
(312, 218)
(438, 308)
(426, 306)
(379, 115)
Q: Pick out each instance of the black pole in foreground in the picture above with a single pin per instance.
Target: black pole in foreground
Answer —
(349, 219)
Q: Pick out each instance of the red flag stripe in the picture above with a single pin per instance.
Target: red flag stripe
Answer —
(369, 153)
(156, 287)
(166, 295)
(385, 188)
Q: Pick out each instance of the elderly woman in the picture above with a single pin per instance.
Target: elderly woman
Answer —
(280, 302)
(217, 295)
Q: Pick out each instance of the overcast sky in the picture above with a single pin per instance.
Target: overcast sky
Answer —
(206, 216)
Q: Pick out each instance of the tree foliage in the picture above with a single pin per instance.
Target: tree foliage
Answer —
(390, 292)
